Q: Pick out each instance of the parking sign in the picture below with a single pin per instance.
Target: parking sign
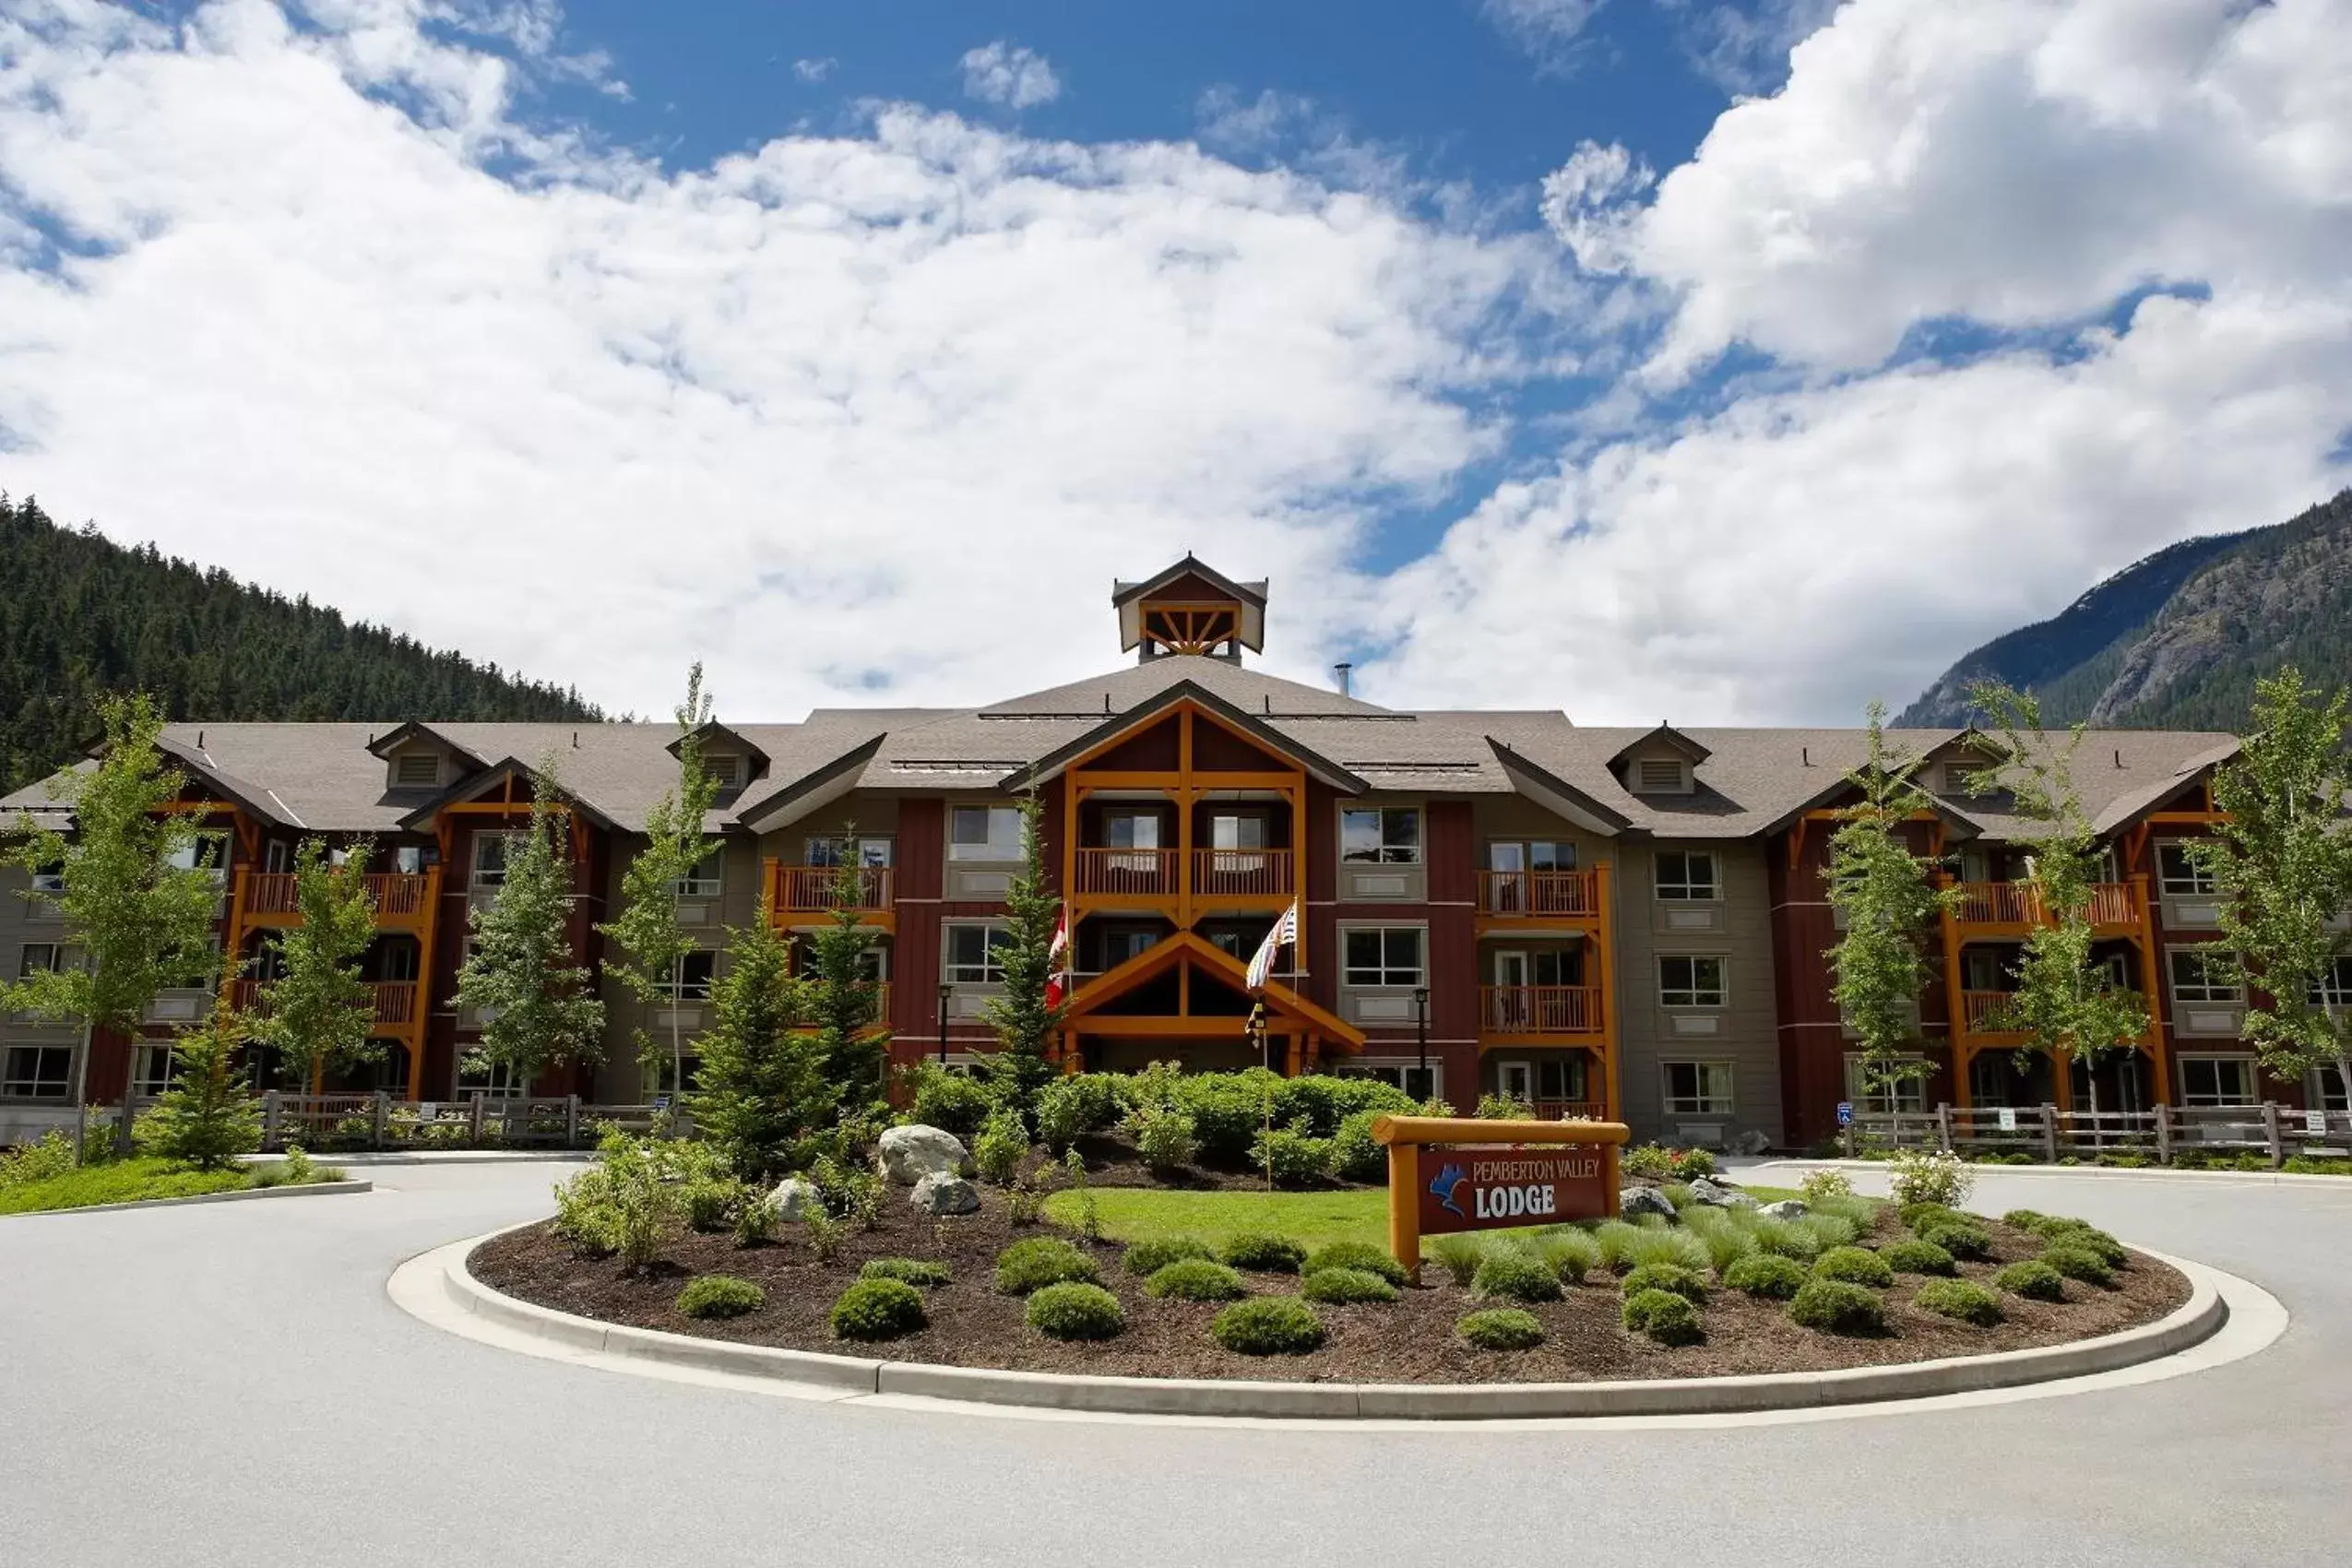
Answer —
(1845, 1112)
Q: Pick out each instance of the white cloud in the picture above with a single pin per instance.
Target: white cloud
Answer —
(1551, 30)
(1011, 75)
(816, 70)
(1743, 47)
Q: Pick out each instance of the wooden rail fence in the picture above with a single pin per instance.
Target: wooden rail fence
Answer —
(2161, 1135)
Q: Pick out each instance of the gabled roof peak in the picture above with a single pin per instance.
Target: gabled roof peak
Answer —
(1191, 607)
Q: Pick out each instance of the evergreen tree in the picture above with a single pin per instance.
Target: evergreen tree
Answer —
(318, 1011)
(647, 930)
(521, 975)
(2068, 1005)
(762, 1087)
(1023, 1024)
(842, 997)
(2282, 862)
(1888, 899)
(211, 1115)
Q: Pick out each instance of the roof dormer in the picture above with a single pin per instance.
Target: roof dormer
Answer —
(1190, 608)
(730, 758)
(1663, 761)
(418, 762)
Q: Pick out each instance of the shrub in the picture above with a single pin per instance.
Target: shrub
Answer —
(1164, 1137)
(1060, 1115)
(1930, 1176)
(1264, 1252)
(1692, 1163)
(720, 1295)
(756, 1219)
(1354, 1156)
(878, 1309)
(1828, 1230)
(1228, 1112)
(1961, 1241)
(1516, 1275)
(1854, 1266)
(1768, 1275)
(1962, 1298)
(1835, 1306)
(847, 1192)
(625, 1201)
(1668, 1278)
(997, 1150)
(1502, 1108)
(2074, 1233)
(1500, 1328)
(1037, 1262)
(1148, 1257)
(1919, 1216)
(1666, 1317)
(1292, 1157)
(823, 1234)
(1652, 1162)
(1102, 1100)
(907, 1271)
(1859, 1213)
(1196, 1279)
(1268, 1326)
(2034, 1279)
(1074, 1310)
(711, 1205)
(1820, 1184)
(954, 1102)
(2078, 1263)
(1460, 1256)
(1570, 1254)
(1318, 1104)
(2031, 1220)
(1361, 1256)
(1345, 1285)
(1781, 1238)
(1918, 1257)
(52, 1156)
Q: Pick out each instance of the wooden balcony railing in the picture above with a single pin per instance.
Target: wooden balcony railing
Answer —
(1147, 873)
(1571, 1110)
(1243, 873)
(1978, 1009)
(1540, 1009)
(1564, 895)
(395, 1002)
(272, 897)
(2016, 903)
(810, 889)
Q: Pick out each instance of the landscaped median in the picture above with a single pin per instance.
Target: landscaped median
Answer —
(43, 1178)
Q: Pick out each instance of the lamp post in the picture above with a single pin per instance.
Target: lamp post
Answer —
(1421, 1030)
(945, 991)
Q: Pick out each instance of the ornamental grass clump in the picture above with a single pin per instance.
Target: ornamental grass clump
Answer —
(1074, 1310)
(1837, 1306)
(1570, 1254)
(1500, 1328)
(1962, 1298)
(1684, 1282)
(1664, 1316)
(1616, 1238)
(878, 1309)
(1147, 1258)
(1268, 1326)
(1345, 1286)
(1658, 1244)
(1727, 1240)
(2078, 1263)
(2034, 1279)
(1859, 1213)
(1460, 1255)
(720, 1295)
(1264, 1252)
(1768, 1275)
(1828, 1230)
(1855, 1266)
(1038, 1261)
(1918, 1257)
(1363, 1257)
(1781, 1238)
(1514, 1274)
(909, 1271)
(1196, 1279)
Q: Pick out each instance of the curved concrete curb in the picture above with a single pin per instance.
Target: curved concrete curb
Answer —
(2202, 1316)
(307, 1189)
(2104, 1172)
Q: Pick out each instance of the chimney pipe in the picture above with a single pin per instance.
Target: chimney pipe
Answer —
(1342, 670)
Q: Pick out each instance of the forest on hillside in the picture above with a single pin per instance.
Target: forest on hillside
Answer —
(82, 616)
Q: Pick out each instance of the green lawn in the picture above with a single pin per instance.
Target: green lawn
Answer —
(126, 1180)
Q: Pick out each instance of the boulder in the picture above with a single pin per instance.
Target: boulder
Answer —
(1714, 1194)
(1751, 1142)
(1639, 1201)
(909, 1154)
(795, 1198)
(1787, 1208)
(940, 1193)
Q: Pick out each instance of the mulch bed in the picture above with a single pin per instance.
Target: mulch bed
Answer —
(1411, 1341)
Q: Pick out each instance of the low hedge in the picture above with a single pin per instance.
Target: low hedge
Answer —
(2033, 1280)
(1962, 1298)
(1670, 1277)
(1854, 1266)
(1147, 1258)
(1037, 1262)
(911, 1271)
(2090, 1238)
(1268, 1326)
(1343, 1286)
(1918, 1257)
(878, 1309)
(1768, 1275)
(1500, 1328)
(1664, 1316)
(2078, 1263)
(720, 1295)
(1361, 1256)
(1073, 1310)
(1961, 1241)
(1838, 1306)
(1263, 1252)
(1196, 1279)
(1919, 1216)
(1515, 1275)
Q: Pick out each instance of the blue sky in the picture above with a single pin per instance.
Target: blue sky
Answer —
(1719, 361)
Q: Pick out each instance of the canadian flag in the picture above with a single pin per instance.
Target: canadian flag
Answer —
(1057, 962)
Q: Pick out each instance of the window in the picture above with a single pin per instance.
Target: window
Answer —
(1909, 1094)
(976, 953)
(832, 850)
(1121, 944)
(495, 1079)
(2217, 1080)
(1560, 1078)
(1690, 982)
(1983, 970)
(416, 771)
(1658, 775)
(491, 853)
(725, 772)
(1687, 876)
(984, 833)
(151, 1074)
(704, 881)
(49, 879)
(1381, 836)
(1420, 1082)
(1698, 1088)
(1233, 830)
(1129, 829)
(2177, 872)
(1383, 956)
(2333, 987)
(2201, 974)
(46, 957)
(278, 856)
(207, 851)
(661, 1076)
(409, 859)
(37, 1072)
(1970, 779)
(690, 981)
(2327, 1091)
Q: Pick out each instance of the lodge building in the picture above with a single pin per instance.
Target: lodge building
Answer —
(1609, 921)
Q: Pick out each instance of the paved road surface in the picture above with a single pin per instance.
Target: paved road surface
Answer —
(230, 1384)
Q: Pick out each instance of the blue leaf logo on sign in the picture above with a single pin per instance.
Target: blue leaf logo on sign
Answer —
(1845, 1112)
(1448, 1181)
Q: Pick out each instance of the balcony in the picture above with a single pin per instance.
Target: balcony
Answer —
(395, 1003)
(2012, 909)
(1571, 1110)
(1979, 1007)
(401, 898)
(1142, 873)
(1245, 877)
(1532, 897)
(802, 895)
(1564, 1014)
(1165, 880)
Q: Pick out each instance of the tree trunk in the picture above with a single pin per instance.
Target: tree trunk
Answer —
(81, 1088)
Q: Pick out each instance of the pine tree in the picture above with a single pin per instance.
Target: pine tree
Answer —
(211, 1115)
(2282, 862)
(1021, 1065)
(318, 1012)
(762, 1087)
(521, 975)
(843, 999)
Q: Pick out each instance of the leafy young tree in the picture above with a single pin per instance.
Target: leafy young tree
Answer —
(142, 924)
(521, 974)
(843, 996)
(647, 931)
(762, 1087)
(2282, 862)
(319, 1011)
(1023, 1024)
(211, 1115)
(1887, 898)
(2067, 1002)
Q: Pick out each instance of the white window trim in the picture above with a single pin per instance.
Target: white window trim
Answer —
(2245, 1066)
(1421, 834)
(1723, 991)
(1420, 976)
(673, 989)
(947, 964)
(2198, 884)
(986, 856)
(32, 1092)
(2209, 994)
(474, 877)
(1909, 1096)
(2335, 989)
(1659, 884)
(144, 1081)
(698, 886)
(1703, 1105)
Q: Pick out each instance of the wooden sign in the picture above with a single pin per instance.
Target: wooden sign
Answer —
(1455, 1173)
